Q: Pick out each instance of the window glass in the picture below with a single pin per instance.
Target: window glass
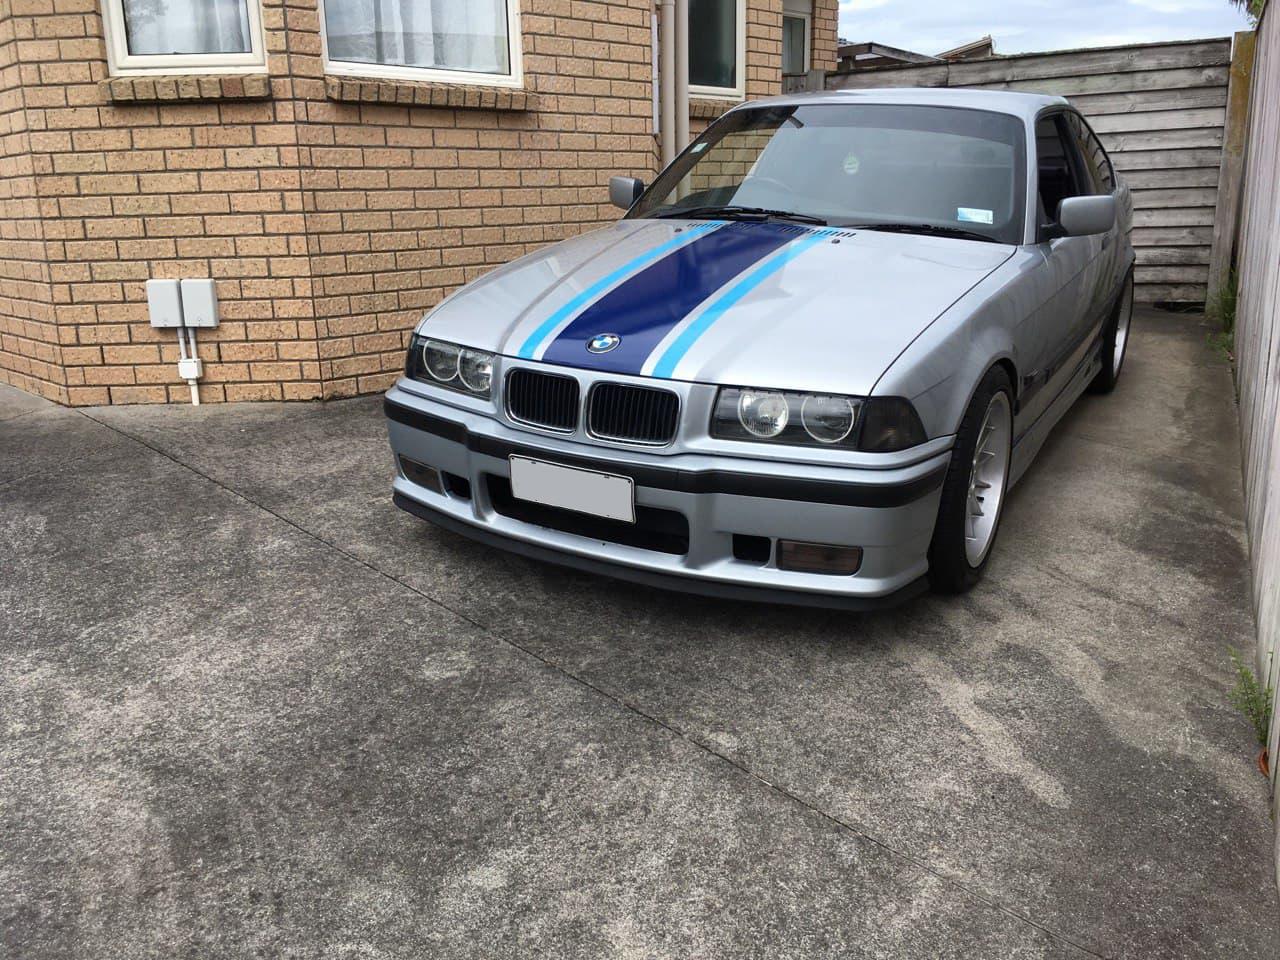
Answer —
(1056, 172)
(857, 164)
(713, 43)
(1095, 158)
(467, 35)
(168, 27)
(795, 45)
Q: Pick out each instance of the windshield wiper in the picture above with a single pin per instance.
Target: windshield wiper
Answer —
(928, 228)
(733, 212)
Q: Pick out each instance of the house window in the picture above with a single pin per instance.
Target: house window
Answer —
(183, 36)
(717, 47)
(795, 43)
(458, 41)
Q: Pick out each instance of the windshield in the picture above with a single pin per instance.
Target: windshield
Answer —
(956, 170)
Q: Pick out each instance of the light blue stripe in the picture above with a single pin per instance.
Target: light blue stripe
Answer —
(548, 326)
(666, 364)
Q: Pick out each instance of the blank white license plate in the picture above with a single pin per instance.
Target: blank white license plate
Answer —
(586, 491)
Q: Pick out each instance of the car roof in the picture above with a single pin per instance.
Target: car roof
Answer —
(1025, 105)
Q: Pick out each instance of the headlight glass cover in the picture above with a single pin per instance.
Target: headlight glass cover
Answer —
(451, 366)
(876, 424)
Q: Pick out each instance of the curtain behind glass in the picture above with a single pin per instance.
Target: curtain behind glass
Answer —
(713, 43)
(793, 44)
(444, 34)
(159, 27)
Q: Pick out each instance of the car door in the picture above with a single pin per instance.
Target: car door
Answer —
(1097, 172)
(1069, 274)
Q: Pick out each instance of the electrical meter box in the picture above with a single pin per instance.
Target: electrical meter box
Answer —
(199, 303)
(164, 303)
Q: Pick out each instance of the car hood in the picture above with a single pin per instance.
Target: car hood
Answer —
(760, 304)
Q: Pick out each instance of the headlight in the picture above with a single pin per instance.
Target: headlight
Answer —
(763, 413)
(828, 419)
(475, 368)
(449, 365)
(878, 424)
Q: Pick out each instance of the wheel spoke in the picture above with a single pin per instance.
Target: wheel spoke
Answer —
(987, 478)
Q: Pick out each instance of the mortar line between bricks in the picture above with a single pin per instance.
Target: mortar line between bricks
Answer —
(964, 888)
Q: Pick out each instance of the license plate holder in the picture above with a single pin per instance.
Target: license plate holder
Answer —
(592, 492)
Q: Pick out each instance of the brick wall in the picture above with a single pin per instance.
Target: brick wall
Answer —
(29, 354)
(332, 213)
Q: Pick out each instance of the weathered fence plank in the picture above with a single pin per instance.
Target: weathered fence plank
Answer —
(1257, 344)
(1159, 109)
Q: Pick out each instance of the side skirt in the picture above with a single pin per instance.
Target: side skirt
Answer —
(1033, 438)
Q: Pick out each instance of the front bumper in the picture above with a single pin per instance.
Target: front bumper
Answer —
(889, 514)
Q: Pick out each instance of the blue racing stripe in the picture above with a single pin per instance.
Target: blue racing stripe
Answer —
(674, 353)
(545, 329)
(649, 305)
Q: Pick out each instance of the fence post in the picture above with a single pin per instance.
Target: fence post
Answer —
(1227, 213)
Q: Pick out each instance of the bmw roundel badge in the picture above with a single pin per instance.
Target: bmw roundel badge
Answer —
(603, 342)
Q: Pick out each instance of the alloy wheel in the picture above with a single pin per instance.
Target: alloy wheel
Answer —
(988, 478)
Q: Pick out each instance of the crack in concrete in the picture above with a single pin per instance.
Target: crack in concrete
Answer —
(774, 787)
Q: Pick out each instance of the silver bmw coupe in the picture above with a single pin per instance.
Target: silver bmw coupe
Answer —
(807, 365)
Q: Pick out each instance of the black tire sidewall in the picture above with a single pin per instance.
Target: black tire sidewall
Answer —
(1106, 378)
(949, 567)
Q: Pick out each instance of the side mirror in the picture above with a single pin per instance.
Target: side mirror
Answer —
(624, 191)
(1086, 216)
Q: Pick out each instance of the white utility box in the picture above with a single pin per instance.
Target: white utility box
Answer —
(199, 303)
(164, 303)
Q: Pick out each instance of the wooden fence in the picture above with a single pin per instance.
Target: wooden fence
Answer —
(1258, 350)
(1159, 109)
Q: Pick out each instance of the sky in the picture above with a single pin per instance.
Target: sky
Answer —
(1020, 26)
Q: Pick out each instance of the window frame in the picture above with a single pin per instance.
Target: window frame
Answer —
(740, 91)
(122, 63)
(1091, 138)
(807, 19)
(382, 71)
(1076, 164)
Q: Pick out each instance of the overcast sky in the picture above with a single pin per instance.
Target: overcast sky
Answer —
(1023, 25)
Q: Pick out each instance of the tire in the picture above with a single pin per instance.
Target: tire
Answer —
(962, 542)
(1115, 340)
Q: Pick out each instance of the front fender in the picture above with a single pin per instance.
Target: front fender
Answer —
(940, 369)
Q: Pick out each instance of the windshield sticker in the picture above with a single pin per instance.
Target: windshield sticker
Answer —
(973, 215)
(852, 164)
(697, 148)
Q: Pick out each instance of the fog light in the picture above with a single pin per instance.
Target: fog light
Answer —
(818, 558)
(421, 474)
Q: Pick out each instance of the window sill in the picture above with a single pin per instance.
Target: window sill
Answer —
(702, 109)
(149, 89)
(428, 94)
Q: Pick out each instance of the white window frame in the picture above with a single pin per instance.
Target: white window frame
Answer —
(740, 91)
(382, 71)
(808, 36)
(120, 62)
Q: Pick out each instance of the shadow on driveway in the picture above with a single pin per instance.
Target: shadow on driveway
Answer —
(251, 709)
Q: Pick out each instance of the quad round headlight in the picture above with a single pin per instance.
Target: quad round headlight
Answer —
(763, 413)
(475, 367)
(441, 360)
(827, 419)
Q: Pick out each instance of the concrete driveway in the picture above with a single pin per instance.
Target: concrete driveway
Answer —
(251, 710)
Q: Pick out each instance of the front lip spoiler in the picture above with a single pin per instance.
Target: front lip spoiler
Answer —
(663, 581)
(687, 481)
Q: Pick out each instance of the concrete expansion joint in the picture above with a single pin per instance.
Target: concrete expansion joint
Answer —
(781, 791)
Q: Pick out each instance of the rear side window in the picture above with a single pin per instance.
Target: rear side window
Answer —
(1057, 166)
(1095, 158)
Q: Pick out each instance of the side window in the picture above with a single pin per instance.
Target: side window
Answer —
(1056, 166)
(1103, 175)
